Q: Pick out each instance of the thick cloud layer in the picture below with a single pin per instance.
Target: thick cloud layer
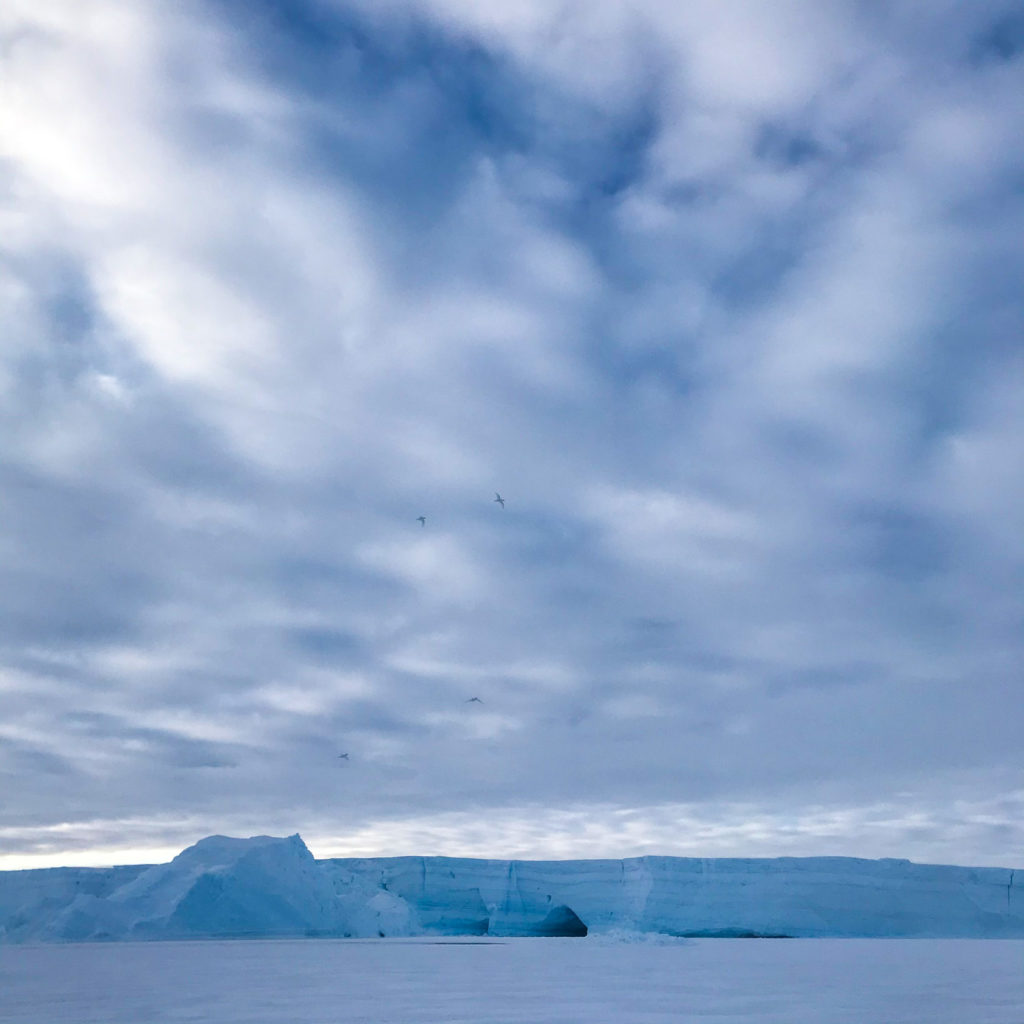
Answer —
(724, 301)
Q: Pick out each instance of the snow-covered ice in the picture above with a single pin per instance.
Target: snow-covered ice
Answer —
(267, 887)
(540, 981)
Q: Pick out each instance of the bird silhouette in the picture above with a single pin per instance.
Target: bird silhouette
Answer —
(499, 499)
(343, 757)
(474, 700)
(422, 520)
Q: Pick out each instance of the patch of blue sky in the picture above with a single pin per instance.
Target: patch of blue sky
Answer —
(405, 112)
(1002, 40)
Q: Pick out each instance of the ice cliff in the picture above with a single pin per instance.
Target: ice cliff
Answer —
(792, 896)
(274, 887)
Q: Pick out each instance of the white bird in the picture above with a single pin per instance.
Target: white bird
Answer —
(499, 499)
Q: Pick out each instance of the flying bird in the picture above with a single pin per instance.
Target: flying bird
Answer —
(343, 757)
(422, 520)
(474, 700)
(499, 499)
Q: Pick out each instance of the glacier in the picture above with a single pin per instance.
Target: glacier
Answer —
(265, 886)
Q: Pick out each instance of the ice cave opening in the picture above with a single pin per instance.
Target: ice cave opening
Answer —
(562, 922)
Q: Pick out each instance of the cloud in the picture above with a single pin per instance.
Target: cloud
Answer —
(725, 307)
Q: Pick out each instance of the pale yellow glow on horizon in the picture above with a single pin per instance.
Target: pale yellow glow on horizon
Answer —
(99, 857)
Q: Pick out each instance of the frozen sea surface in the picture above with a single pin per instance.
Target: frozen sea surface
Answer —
(542, 981)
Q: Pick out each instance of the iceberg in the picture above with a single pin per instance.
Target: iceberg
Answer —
(274, 887)
(220, 887)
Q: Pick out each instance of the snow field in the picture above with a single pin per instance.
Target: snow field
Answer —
(515, 981)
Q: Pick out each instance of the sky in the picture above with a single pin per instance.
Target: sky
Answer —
(723, 298)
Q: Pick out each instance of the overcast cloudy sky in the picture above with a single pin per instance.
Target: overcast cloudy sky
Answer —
(723, 297)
